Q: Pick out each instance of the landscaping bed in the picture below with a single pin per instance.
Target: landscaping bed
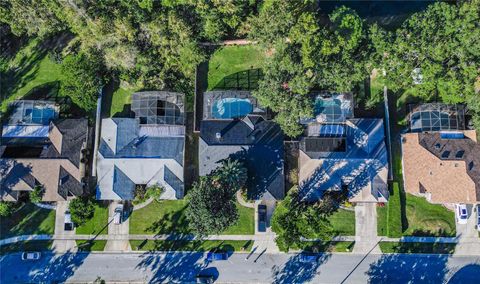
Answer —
(161, 245)
(327, 246)
(26, 246)
(28, 220)
(168, 216)
(98, 224)
(87, 245)
(395, 247)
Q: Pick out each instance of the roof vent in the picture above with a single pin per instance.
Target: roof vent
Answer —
(437, 146)
(445, 154)
(218, 135)
(459, 154)
(470, 166)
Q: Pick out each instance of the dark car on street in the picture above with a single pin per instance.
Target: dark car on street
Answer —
(214, 256)
(262, 218)
(204, 279)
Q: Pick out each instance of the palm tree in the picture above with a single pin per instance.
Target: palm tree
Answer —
(232, 173)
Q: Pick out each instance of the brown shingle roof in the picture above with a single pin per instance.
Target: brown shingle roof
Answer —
(442, 178)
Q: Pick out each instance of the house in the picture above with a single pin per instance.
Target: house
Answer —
(144, 150)
(340, 152)
(40, 149)
(234, 126)
(441, 164)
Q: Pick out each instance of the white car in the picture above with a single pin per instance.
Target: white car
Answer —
(461, 213)
(32, 255)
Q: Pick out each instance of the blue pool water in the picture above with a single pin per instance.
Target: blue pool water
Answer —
(42, 115)
(331, 108)
(231, 108)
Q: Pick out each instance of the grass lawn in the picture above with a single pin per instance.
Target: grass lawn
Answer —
(86, 245)
(230, 60)
(120, 100)
(30, 68)
(160, 245)
(168, 216)
(29, 220)
(26, 246)
(328, 246)
(98, 223)
(394, 247)
(389, 219)
(343, 222)
(426, 219)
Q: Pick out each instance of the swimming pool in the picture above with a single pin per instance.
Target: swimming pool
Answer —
(330, 108)
(231, 108)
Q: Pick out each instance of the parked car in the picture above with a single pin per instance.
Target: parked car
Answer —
(262, 218)
(308, 258)
(207, 279)
(461, 213)
(478, 217)
(31, 255)
(68, 221)
(213, 256)
(118, 215)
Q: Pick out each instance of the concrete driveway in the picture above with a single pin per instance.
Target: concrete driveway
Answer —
(467, 234)
(366, 237)
(119, 230)
(62, 245)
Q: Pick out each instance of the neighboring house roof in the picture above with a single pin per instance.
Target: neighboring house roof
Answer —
(356, 160)
(254, 141)
(443, 167)
(130, 155)
(54, 163)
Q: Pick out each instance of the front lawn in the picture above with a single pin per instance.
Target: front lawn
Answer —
(29, 68)
(227, 66)
(168, 216)
(343, 222)
(87, 245)
(160, 245)
(426, 219)
(29, 220)
(395, 247)
(26, 246)
(98, 224)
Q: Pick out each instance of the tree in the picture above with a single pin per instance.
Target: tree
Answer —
(83, 77)
(211, 208)
(295, 220)
(81, 210)
(6, 208)
(36, 194)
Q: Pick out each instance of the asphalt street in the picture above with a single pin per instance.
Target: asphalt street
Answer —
(267, 268)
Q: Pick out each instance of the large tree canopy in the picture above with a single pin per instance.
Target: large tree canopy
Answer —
(307, 55)
(211, 208)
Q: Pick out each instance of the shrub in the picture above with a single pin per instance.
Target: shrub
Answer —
(81, 209)
(36, 194)
(143, 193)
(6, 208)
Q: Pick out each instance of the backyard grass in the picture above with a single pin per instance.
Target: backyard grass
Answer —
(168, 216)
(395, 247)
(121, 99)
(87, 245)
(343, 222)
(160, 245)
(26, 246)
(98, 224)
(30, 68)
(230, 60)
(29, 220)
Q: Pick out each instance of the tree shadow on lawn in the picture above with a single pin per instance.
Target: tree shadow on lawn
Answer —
(296, 271)
(172, 222)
